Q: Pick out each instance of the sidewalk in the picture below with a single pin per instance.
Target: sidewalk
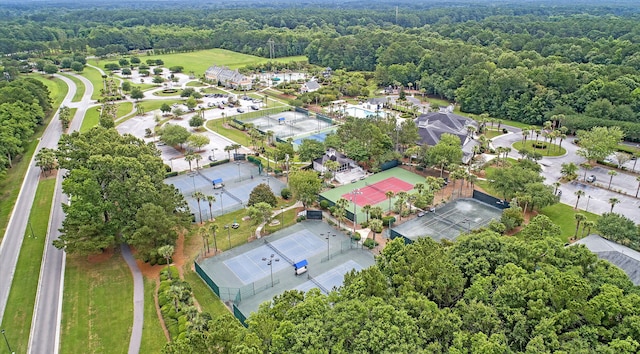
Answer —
(274, 214)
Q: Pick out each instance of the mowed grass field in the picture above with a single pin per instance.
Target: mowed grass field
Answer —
(19, 310)
(97, 309)
(200, 61)
(153, 339)
(95, 77)
(92, 116)
(79, 87)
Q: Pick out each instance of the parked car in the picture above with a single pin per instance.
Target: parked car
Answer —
(220, 106)
(421, 214)
(254, 107)
(591, 179)
(235, 225)
(240, 110)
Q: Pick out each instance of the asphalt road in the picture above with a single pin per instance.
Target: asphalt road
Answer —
(19, 219)
(45, 326)
(596, 198)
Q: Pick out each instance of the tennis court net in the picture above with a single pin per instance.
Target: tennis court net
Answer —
(317, 283)
(278, 252)
(376, 188)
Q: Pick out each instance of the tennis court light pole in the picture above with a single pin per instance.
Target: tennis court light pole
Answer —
(270, 261)
(226, 227)
(221, 205)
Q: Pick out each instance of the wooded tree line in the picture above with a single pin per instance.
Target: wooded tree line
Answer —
(23, 106)
(515, 62)
(484, 293)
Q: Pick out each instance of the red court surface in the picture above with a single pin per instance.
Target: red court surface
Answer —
(373, 194)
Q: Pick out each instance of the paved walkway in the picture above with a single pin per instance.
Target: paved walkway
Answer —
(275, 213)
(138, 300)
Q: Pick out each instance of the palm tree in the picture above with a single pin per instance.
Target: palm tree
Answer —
(587, 226)
(389, 195)
(578, 193)
(613, 202)
(587, 166)
(555, 187)
(402, 198)
(419, 187)
(367, 209)
(166, 252)
(197, 157)
(443, 162)
(579, 218)
(190, 156)
(376, 225)
(211, 199)
(525, 133)
(199, 196)
(411, 198)
(611, 173)
(228, 149)
(214, 230)
(235, 147)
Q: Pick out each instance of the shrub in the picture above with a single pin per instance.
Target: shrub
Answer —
(369, 243)
(386, 219)
(167, 168)
(170, 174)
(286, 194)
(324, 204)
(356, 237)
(219, 162)
(301, 218)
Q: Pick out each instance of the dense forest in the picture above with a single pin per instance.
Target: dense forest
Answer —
(524, 62)
(485, 293)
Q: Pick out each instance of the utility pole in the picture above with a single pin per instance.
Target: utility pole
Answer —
(270, 42)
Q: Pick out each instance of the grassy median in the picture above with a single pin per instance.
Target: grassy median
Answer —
(19, 310)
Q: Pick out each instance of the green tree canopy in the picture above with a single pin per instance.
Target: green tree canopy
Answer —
(599, 142)
(305, 186)
(113, 180)
(262, 193)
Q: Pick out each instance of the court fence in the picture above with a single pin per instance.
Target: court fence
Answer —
(345, 246)
(314, 214)
(235, 294)
(491, 200)
(389, 165)
(239, 315)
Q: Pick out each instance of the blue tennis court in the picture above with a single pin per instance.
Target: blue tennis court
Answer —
(318, 137)
(249, 266)
(334, 277)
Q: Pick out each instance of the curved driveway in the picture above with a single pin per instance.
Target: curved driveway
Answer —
(596, 199)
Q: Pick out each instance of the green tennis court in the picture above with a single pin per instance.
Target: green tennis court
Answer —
(353, 190)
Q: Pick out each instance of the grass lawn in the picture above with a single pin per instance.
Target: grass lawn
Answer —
(79, 88)
(551, 150)
(167, 94)
(200, 61)
(19, 310)
(232, 133)
(208, 300)
(124, 108)
(490, 134)
(289, 219)
(152, 105)
(10, 185)
(95, 77)
(91, 119)
(145, 87)
(563, 216)
(97, 309)
(57, 88)
(195, 84)
(153, 339)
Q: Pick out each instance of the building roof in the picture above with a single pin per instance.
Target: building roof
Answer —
(225, 74)
(334, 155)
(623, 257)
(312, 85)
(432, 125)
